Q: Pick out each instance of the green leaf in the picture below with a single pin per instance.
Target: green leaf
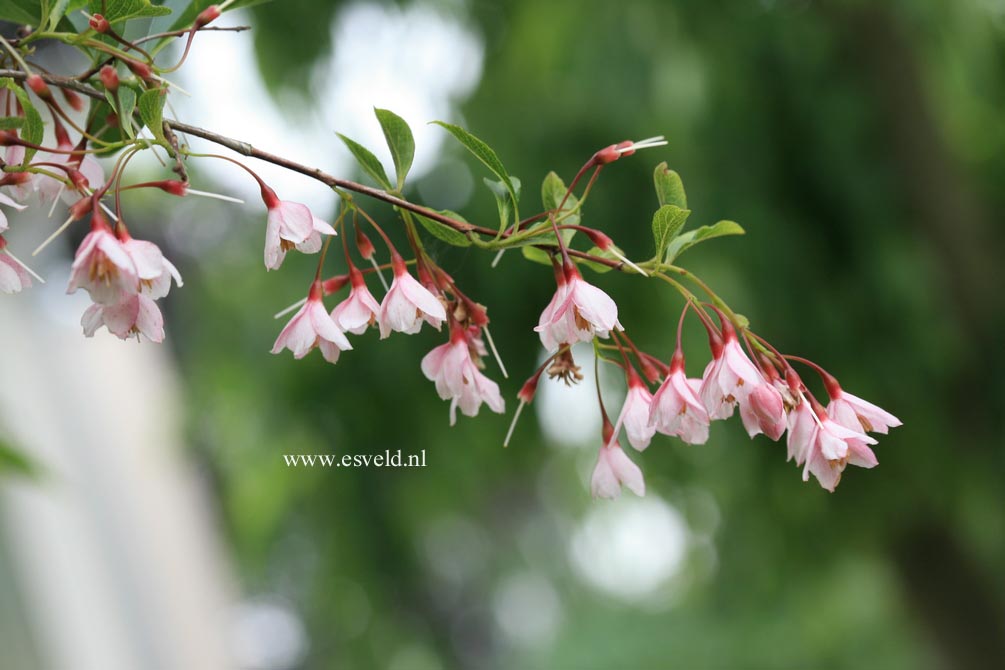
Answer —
(536, 255)
(399, 141)
(127, 103)
(24, 12)
(11, 123)
(504, 202)
(33, 129)
(684, 242)
(600, 267)
(669, 187)
(444, 232)
(667, 223)
(488, 157)
(60, 9)
(552, 191)
(14, 462)
(124, 10)
(367, 161)
(151, 106)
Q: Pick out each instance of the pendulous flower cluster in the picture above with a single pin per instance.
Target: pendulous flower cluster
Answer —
(117, 110)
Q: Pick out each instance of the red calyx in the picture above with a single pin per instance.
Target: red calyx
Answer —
(529, 388)
(77, 178)
(677, 362)
(316, 290)
(364, 245)
(3, 243)
(80, 208)
(99, 24)
(269, 197)
(141, 70)
(172, 186)
(206, 16)
(74, 100)
(38, 86)
(334, 284)
(109, 78)
(15, 178)
(602, 241)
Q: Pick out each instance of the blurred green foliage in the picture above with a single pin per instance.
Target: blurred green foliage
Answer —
(861, 146)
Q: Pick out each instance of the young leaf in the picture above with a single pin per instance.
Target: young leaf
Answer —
(151, 105)
(367, 161)
(552, 191)
(684, 242)
(669, 187)
(123, 10)
(11, 123)
(503, 199)
(399, 141)
(127, 103)
(536, 255)
(33, 129)
(667, 222)
(444, 232)
(488, 157)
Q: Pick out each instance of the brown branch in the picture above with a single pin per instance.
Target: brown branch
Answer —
(246, 149)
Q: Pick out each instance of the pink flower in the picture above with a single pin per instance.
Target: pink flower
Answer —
(13, 277)
(577, 312)
(7, 202)
(802, 425)
(360, 310)
(614, 469)
(133, 314)
(729, 377)
(101, 266)
(153, 270)
(635, 412)
(833, 447)
(312, 244)
(407, 304)
(856, 414)
(49, 189)
(677, 409)
(311, 327)
(458, 379)
(764, 412)
(289, 224)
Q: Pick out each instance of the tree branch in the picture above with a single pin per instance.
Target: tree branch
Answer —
(246, 149)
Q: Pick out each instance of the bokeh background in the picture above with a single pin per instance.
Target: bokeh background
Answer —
(150, 521)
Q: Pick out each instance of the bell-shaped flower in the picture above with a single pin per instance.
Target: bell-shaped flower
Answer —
(856, 414)
(288, 224)
(133, 314)
(802, 425)
(635, 412)
(833, 447)
(153, 270)
(578, 312)
(729, 377)
(457, 378)
(613, 470)
(312, 244)
(764, 411)
(360, 310)
(311, 327)
(408, 303)
(14, 276)
(677, 410)
(6, 201)
(102, 266)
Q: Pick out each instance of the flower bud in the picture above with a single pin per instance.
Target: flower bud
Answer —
(80, 208)
(207, 16)
(38, 86)
(173, 186)
(99, 24)
(74, 100)
(141, 70)
(363, 244)
(109, 78)
(334, 284)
